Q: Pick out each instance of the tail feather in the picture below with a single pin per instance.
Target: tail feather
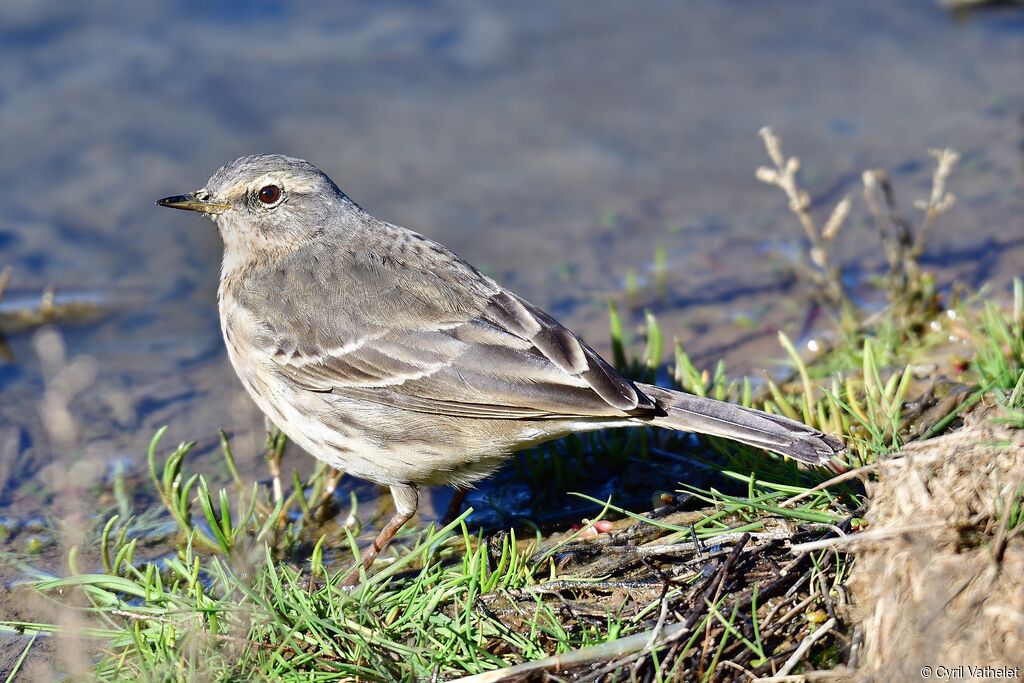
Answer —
(689, 413)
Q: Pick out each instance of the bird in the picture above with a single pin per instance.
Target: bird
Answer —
(385, 355)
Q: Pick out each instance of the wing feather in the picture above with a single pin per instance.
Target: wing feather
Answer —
(443, 339)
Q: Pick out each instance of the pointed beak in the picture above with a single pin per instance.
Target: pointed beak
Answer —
(193, 201)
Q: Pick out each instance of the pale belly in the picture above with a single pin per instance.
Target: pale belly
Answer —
(366, 440)
(381, 443)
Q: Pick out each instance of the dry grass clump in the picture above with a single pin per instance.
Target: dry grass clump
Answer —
(938, 577)
(909, 290)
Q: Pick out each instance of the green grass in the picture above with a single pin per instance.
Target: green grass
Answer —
(246, 586)
(253, 590)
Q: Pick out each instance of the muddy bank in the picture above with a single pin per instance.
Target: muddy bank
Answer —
(937, 577)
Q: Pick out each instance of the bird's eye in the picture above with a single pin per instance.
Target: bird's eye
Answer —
(269, 194)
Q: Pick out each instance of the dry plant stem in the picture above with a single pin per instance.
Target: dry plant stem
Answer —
(720, 582)
(849, 474)
(614, 650)
(788, 584)
(898, 237)
(769, 628)
(784, 177)
(906, 286)
(939, 202)
(840, 673)
(801, 651)
(629, 647)
(902, 245)
(689, 548)
(5, 279)
(656, 632)
(64, 379)
(864, 537)
(825, 277)
(741, 669)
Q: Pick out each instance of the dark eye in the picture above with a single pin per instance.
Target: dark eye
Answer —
(269, 194)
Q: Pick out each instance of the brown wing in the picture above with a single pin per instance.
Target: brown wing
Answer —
(443, 340)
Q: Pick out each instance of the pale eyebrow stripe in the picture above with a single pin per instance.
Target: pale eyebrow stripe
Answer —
(290, 183)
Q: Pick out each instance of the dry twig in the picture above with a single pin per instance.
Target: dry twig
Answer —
(906, 285)
(825, 276)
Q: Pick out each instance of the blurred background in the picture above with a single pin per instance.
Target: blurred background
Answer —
(557, 146)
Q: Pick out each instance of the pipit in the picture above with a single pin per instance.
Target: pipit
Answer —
(385, 355)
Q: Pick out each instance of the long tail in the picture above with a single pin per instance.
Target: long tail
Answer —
(689, 413)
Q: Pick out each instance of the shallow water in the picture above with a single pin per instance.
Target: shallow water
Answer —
(554, 145)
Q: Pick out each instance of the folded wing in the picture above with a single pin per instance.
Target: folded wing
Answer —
(451, 343)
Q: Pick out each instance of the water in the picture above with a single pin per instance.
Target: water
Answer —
(555, 145)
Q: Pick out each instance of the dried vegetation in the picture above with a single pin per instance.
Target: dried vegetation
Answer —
(936, 581)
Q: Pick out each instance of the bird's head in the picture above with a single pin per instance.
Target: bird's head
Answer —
(268, 203)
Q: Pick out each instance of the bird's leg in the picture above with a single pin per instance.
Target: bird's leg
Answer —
(454, 506)
(406, 499)
(276, 442)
